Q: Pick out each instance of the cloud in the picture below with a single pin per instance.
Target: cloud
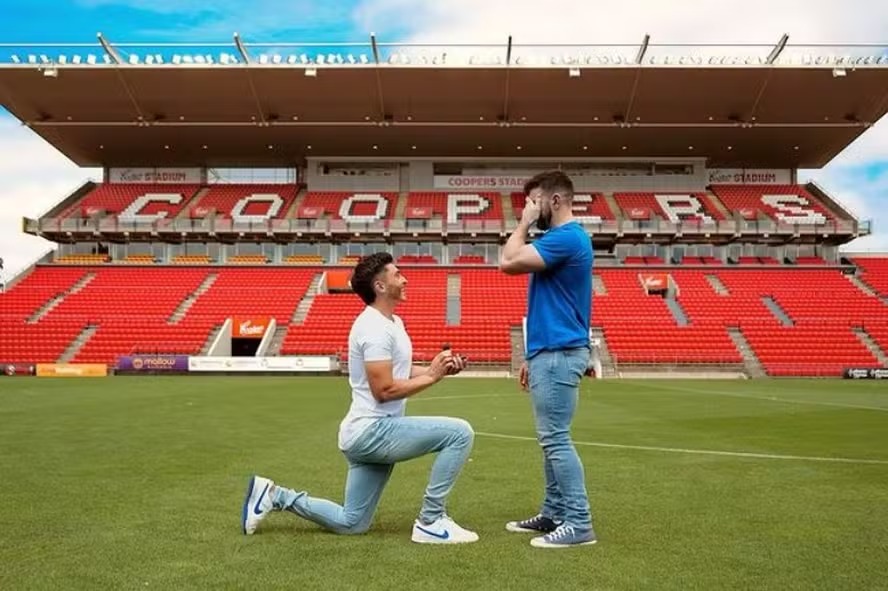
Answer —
(677, 21)
(35, 178)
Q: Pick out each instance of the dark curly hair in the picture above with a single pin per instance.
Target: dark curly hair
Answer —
(365, 273)
(553, 181)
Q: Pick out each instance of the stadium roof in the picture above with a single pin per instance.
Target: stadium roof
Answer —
(266, 109)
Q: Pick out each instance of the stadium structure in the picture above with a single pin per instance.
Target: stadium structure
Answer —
(241, 182)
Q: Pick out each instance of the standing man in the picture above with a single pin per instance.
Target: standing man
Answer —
(558, 311)
(375, 434)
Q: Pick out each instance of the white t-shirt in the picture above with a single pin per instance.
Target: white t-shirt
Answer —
(373, 337)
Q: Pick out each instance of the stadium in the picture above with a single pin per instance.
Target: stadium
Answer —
(241, 183)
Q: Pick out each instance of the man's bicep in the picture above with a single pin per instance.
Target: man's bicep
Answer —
(379, 376)
(527, 260)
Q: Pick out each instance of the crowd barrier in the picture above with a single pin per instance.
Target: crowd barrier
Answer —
(866, 373)
(177, 364)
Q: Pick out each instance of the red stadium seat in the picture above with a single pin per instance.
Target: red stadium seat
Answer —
(134, 202)
(789, 204)
(455, 207)
(359, 207)
(242, 202)
(672, 207)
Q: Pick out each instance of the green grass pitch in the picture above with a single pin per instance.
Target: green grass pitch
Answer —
(137, 483)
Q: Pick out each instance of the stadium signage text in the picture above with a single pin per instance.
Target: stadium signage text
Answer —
(865, 373)
(259, 364)
(155, 175)
(152, 363)
(749, 176)
(250, 328)
(71, 370)
(494, 182)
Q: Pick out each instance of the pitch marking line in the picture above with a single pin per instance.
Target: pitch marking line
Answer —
(708, 452)
(754, 397)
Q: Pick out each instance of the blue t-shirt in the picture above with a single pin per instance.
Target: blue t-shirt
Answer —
(560, 297)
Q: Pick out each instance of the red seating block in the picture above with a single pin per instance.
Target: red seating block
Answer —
(134, 202)
(457, 207)
(246, 202)
(673, 207)
(363, 207)
(875, 272)
(789, 204)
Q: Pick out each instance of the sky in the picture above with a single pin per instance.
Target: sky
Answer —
(36, 176)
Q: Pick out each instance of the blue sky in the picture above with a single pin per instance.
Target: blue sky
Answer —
(35, 176)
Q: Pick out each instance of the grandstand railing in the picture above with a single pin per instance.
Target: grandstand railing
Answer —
(434, 227)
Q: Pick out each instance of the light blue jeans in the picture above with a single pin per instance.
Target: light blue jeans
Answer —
(554, 379)
(371, 460)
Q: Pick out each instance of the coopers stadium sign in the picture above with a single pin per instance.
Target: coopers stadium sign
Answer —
(159, 176)
(480, 182)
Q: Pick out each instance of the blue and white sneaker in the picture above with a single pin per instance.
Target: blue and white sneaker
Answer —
(537, 524)
(257, 503)
(442, 531)
(565, 536)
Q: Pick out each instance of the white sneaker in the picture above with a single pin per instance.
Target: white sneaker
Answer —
(257, 503)
(442, 531)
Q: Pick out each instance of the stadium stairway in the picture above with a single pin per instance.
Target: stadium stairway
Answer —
(872, 345)
(82, 339)
(454, 301)
(55, 301)
(304, 305)
(607, 361)
(778, 312)
(516, 336)
(751, 361)
(189, 300)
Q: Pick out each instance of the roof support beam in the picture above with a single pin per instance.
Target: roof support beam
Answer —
(643, 49)
(380, 95)
(109, 49)
(243, 52)
(504, 116)
(241, 49)
(758, 97)
(778, 49)
(115, 58)
(629, 106)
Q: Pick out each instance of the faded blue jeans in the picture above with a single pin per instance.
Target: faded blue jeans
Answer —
(371, 460)
(554, 379)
